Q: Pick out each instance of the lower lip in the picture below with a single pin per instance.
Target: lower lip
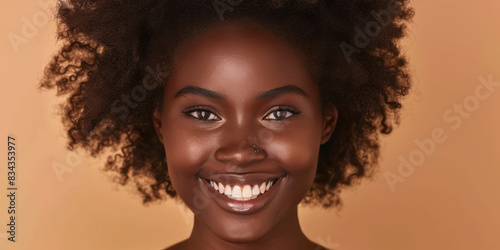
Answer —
(243, 207)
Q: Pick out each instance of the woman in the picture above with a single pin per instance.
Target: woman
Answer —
(242, 109)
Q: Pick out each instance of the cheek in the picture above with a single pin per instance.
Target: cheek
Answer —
(184, 153)
(185, 156)
(298, 150)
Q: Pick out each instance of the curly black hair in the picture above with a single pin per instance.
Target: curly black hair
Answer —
(110, 47)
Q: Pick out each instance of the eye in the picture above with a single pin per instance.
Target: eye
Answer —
(201, 113)
(282, 113)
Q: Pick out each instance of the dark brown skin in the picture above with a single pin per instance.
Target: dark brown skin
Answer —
(239, 61)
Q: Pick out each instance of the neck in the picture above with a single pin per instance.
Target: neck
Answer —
(286, 235)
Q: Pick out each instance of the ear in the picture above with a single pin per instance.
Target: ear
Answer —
(157, 123)
(330, 117)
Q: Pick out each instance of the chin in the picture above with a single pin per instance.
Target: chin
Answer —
(243, 234)
(236, 228)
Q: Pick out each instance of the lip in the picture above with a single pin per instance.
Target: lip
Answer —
(242, 206)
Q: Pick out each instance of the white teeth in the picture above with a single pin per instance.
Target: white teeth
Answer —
(247, 192)
(227, 190)
(255, 190)
(221, 188)
(262, 188)
(214, 185)
(238, 193)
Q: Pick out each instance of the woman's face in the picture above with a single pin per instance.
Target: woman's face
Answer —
(233, 87)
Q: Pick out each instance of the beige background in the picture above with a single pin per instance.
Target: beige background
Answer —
(450, 201)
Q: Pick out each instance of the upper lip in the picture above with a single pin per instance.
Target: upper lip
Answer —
(242, 178)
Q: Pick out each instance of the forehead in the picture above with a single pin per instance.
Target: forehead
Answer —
(239, 55)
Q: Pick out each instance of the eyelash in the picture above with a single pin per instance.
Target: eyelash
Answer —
(285, 108)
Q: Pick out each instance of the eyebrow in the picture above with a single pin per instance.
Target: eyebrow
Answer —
(292, 89)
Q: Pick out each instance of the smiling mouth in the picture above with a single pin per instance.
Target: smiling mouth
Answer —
(242, 192)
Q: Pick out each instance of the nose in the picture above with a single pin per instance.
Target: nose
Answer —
(239, 145)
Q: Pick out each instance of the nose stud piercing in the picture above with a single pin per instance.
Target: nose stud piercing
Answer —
(255, 148)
